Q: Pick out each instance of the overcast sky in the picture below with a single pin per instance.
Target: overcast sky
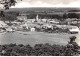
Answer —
(47, 3)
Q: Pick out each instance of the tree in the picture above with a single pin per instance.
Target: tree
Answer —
(73, 15)
(64, 16)
(2, 13)
(10, 17)
(8, 3)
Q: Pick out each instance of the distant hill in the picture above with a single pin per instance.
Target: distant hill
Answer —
(45, 9)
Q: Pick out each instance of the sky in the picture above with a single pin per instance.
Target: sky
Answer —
(47, 3)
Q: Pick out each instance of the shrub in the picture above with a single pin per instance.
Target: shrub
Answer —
(40, 50)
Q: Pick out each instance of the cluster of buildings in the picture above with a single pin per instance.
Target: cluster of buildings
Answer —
(41, 18)
(24, 24)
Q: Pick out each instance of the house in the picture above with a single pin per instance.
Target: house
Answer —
(54, 21)
(24, 26)
(3, 25)
(73, 21)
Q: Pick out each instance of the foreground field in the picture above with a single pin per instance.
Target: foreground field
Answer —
(33, 38)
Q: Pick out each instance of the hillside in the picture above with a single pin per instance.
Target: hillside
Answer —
(44, 9)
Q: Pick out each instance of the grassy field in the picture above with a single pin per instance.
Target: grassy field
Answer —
(33, 38)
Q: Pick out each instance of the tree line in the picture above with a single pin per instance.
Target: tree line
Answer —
(12, 15)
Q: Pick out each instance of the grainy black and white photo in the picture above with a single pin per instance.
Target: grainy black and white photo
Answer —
(39, 27)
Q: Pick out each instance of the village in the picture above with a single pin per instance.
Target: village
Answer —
(34, 34)
(40, 25)
(39, 28)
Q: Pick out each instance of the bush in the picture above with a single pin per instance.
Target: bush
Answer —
(39, 50)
